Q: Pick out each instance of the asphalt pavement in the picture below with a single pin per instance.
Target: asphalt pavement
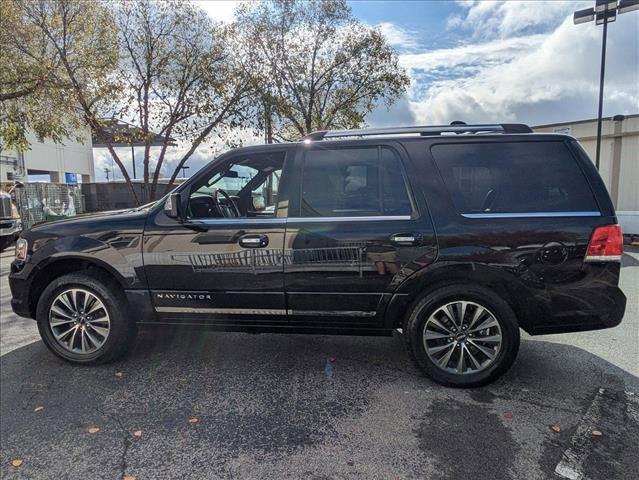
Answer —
(209, 405)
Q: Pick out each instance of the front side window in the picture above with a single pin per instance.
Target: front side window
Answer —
(243, 187)
(347, 182)
(513, 177)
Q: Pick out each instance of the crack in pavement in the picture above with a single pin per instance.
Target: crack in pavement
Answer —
(126, 439)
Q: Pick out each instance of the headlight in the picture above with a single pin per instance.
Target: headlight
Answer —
(21, 249)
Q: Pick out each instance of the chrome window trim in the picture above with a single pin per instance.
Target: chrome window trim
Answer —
(236, 221)
(532, 214)
(373, 218)
(283, 221)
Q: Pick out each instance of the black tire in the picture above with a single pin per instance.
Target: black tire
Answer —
(428, 303)
(122, 329)
(5, 241)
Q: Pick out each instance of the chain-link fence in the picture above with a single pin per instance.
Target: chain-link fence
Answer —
(38, 202)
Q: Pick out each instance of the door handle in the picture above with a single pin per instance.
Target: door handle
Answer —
(403, 239)
(253, 241)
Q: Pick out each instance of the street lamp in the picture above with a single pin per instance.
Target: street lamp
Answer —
(184, 168)
(604, 12)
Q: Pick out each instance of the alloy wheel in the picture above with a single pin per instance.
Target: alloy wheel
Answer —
(462, 337)
(79, 321)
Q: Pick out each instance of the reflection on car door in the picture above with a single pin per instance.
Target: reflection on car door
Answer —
(217, 270)
(355, 232)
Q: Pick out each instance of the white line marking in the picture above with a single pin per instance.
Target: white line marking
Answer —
(571, 464)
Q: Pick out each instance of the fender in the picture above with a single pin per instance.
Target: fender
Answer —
(505, 280)
(122, 262)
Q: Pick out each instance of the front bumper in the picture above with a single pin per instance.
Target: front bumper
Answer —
(19, 287)
(10, 227)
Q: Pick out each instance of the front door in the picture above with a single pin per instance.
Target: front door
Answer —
(224, 264)
(355, 232)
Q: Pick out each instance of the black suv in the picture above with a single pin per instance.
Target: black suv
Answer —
(457, 235)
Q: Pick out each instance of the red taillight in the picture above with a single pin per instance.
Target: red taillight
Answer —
(606, 244)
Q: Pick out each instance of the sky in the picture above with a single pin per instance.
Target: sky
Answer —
(489, 61)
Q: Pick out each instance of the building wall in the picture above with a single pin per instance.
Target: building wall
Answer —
(619, 160)
(57, 159)
(11, 167)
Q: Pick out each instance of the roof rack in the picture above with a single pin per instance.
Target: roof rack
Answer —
(454, 128)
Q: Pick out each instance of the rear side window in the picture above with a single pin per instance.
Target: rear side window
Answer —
(517, 177)
(347, 182)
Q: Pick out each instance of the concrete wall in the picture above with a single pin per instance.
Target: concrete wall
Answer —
(619, 162)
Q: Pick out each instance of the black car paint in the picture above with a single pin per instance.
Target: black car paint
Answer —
(536, 264)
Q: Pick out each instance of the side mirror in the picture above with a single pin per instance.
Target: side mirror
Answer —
(173, 206)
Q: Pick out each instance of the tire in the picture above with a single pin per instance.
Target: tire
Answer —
(121, 331)
(5, 241)
(499, 338)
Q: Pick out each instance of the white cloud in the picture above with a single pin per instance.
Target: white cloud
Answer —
(448, 60)
(509, 79)
(490, 19)
(220, 10)
(398, 37)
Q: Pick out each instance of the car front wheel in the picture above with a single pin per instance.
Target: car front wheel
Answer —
(81, 319)
(462, 335)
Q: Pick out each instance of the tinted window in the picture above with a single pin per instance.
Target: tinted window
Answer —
(513, 177)
(353, 182)
(250, 181)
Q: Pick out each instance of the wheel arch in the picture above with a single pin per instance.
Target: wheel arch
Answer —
(441, 275)
(60, 266)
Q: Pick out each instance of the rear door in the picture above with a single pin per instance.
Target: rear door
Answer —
(524, 205)
(355, 231)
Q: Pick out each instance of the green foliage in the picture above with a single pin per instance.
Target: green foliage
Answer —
(166, 67)
(41, 43)
(314, 65)
(180, 79)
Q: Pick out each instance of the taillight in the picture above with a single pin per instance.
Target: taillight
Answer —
(606, 244)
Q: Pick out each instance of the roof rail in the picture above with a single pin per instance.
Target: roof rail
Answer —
(432, 130)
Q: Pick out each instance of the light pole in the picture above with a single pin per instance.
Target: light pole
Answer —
(133, 160)
(184, 168)
(604, 12)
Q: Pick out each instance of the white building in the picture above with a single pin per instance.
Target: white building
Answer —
(619, 162)
(52, 159)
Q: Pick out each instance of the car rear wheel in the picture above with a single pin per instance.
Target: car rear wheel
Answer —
(462, 335)
(81, 320)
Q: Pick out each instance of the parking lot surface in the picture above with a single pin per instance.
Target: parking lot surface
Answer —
(230, 405)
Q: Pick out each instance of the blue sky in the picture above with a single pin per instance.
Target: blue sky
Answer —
(490, 61)
(505, 61)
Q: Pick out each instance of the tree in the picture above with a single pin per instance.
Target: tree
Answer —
(83, 37)
(34, 93)
(314, 66)
(180, 77)
(163, 65)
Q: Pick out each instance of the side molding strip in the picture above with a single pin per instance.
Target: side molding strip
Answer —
(531, 214)
(266, 311)
(230, 311)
